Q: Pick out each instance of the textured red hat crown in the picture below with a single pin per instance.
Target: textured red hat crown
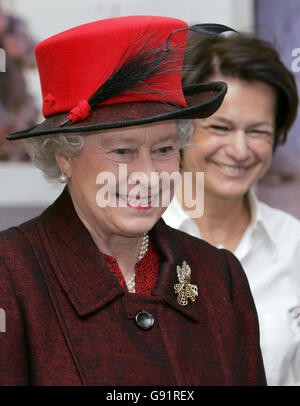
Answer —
(74, 64)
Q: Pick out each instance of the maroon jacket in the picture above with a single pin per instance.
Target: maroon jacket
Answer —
(69, 321)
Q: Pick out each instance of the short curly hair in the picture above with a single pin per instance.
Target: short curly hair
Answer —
(43, 149)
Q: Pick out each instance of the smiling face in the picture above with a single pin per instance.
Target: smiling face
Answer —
(130, 156)
(233, 147)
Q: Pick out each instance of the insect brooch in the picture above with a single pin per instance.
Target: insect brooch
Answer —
(185, 289)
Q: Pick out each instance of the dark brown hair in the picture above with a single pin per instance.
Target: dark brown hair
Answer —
(246, 58)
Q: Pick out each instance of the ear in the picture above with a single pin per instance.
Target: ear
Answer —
(65, 165)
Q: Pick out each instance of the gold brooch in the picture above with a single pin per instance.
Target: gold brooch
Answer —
(185, 289)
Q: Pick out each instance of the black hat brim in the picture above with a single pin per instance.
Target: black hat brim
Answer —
(202, 100)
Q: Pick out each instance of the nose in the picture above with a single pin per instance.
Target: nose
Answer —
(237, 146)
(143, 172)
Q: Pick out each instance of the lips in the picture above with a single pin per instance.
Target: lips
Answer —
(232, 168)
(137, 202)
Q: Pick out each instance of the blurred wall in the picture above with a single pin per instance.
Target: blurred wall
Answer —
(24, 192)
(278, 21)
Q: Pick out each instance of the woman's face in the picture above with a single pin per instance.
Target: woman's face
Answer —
(113, 180)
(233, 147)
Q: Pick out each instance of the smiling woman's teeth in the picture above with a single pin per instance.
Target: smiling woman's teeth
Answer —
(234, 169)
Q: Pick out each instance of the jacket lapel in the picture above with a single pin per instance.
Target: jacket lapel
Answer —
(76, 261)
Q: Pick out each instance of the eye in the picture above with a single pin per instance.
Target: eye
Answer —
(259, 133)
(121, 151)
(165, 150)
(123, 154)
(219, 128)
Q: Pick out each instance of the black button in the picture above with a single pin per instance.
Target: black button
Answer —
(144, 320)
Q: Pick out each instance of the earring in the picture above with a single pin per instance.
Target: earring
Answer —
(63, 178)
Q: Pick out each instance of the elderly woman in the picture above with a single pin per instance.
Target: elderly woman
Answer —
(233, 147)
(98, 290)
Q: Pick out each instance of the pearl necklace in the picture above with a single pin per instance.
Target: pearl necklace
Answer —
(143, 250)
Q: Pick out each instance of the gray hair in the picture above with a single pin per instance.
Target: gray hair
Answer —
(43, 149)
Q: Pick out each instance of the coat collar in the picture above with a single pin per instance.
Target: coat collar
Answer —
(82, 271)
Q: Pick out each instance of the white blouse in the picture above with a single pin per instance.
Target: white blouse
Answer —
(269, 252)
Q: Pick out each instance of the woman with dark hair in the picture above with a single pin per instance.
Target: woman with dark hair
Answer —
(233, 147)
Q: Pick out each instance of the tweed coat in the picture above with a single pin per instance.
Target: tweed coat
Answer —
(69, 321)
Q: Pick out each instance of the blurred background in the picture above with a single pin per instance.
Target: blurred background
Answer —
(23, 190)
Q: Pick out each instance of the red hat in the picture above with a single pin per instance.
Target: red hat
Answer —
(119, 72)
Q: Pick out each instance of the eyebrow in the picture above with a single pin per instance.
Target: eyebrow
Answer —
(262, 123)
(134, 140)
(225, 120)
(112, 141)
(168, 138)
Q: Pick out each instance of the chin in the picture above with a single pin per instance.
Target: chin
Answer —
(234, 194)
(138, 226)
(229, 193)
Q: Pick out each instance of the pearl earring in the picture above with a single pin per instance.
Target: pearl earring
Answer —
(63, 178)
